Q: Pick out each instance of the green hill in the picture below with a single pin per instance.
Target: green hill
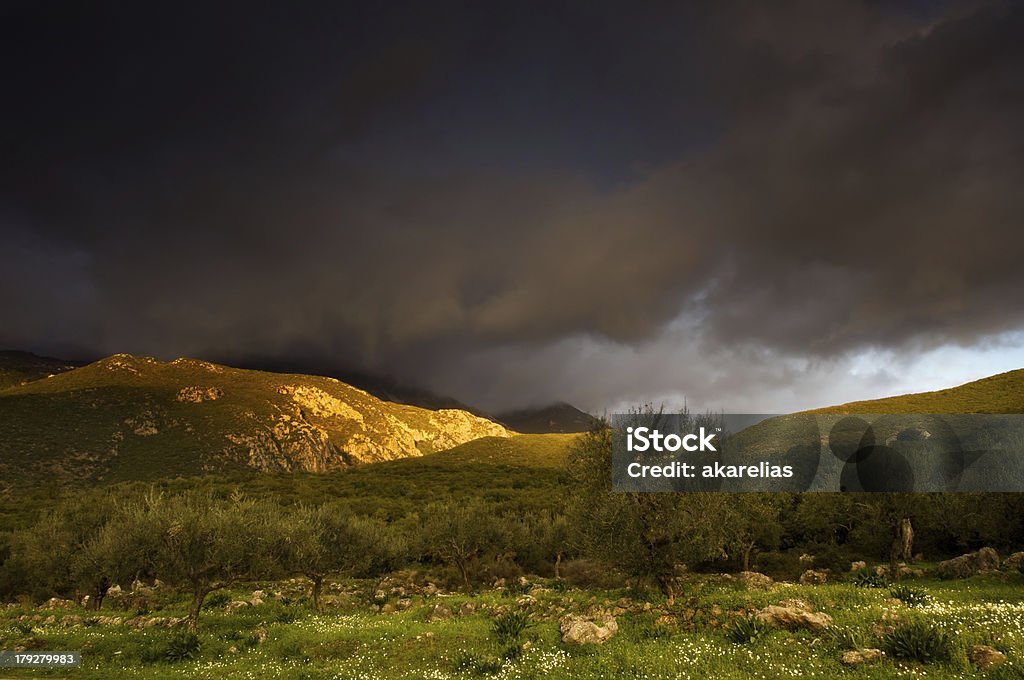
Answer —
(136, 418)
(21, 368)
(1002, 393)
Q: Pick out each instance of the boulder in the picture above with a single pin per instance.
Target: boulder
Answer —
(467, 609)
(1014, 562)
(984, 656)
(439, 613)
(234, 606)
(786, 615)
(857, 566)
(857, 657)
(806, 560)
(813, 577)
(754, 580)
(979, 562)
(57, 603)
(256, 598)
(577, 630)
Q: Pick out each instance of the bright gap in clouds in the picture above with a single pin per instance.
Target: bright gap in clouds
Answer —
(678, 368)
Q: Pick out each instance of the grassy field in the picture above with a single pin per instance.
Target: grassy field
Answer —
(284, 638)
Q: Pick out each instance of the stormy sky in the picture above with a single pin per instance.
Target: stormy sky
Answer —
(755, 206)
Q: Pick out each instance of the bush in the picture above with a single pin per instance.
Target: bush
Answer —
(747, 630)
(181, 646)
(509, 627)
(920, 641)
(912, 597)
(586, 575)
(779, 565)
(216, 600)
(869, 579)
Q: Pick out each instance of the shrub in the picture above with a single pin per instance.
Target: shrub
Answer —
(180, 646)
(869, 579)
(509, 627)
(912, 597)
(920, 641)
(584, 574)
(216, 600)
(747, 630)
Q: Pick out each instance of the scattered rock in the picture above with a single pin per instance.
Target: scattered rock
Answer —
(256, 598)
(792, 614)
(984, 656)
(439, 613)
(196, 394)
(57, 603)
(234, 606)
(887, 625)
(979, 562)
(857, 657)
(806, 560)
(577, 630)
(813, 578)
(467, 609)
(1014, 561)
(754, 580)
(857, 566)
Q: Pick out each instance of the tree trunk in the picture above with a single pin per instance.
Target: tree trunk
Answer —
(746, 557)
(558, 565)
(667, 585)
(464, 572)
(906, 540)
(318, 582)
(198, 595)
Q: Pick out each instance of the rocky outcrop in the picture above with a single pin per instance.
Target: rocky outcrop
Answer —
(577, 630)
(979, 562)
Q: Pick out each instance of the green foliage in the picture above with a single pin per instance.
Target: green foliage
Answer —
(920, 641)
(847, 638)
(746, 630)
(510, 626)
(645, 535)
(912, 597)
(180, 646)
(866, 578)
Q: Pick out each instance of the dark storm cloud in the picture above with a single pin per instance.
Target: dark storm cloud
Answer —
(434, 192)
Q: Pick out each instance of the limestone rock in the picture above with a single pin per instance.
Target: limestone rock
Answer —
(754, 580)
(813, 577)
(794, 614)
(984, 656)
(578, 630)
(439, 613)
(857, 566)
(1014, 562)
(857, 657)
(979, 562)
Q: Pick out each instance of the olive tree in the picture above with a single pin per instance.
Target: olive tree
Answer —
(201, 544)
(644, 535)
(330, 540)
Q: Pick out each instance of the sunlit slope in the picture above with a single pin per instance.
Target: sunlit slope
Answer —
(127, 417)
(1002, 393)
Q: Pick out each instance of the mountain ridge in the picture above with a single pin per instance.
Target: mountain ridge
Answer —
(137, 417)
